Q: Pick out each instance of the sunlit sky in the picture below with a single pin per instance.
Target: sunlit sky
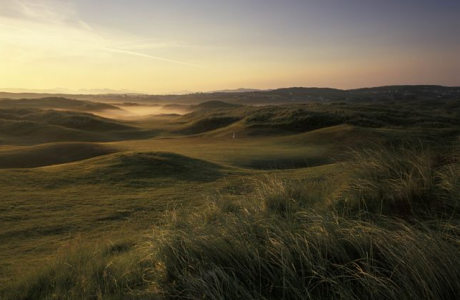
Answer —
(170, 46)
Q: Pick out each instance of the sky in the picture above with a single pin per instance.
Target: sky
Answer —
(151, 46)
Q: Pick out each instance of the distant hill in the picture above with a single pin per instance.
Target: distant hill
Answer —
(67, 91)
(76, 120)
(298, 118)
(277, 96)
(241, 90)
(36, 126)
(214, 105)
(57, 103)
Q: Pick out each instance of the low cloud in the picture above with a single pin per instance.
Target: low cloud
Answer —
(136, 112)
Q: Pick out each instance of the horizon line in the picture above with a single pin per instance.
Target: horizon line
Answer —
(229, 90)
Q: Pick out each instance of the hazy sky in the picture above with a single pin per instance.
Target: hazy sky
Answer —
(200, 45)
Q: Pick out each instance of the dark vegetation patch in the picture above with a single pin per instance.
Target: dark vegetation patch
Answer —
(285, 163)
(137, 167)
(50, 154)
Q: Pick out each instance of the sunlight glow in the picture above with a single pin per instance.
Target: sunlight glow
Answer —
(75, 44)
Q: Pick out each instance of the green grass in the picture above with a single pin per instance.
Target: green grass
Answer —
(281, 239)
(88, 271)
(38, 126)
(119, 194)
(306, 255)
(400, 182)
(50, 154)
(292, 208)
(126, 192)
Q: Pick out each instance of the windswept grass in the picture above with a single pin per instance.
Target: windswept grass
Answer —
(322, 259)
(264, 251)
(400, 182)
(83, 271)
(389, 230)
(286, 196)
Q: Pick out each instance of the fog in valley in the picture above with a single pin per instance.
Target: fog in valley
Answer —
(136, 111)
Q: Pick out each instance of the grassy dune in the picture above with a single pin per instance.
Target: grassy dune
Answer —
(32, 126)
(116, 194)
(317, 201)
(50, 154)
(285, 239)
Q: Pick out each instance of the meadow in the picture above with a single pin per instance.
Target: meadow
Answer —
(222, 199)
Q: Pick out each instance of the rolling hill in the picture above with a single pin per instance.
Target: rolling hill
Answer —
(57, 103)
(298, 118)
(76, 120)
(50, 154)
(35, 126)
(63, 187)
(138, 167)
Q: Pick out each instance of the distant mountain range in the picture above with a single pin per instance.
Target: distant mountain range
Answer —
(67, 91)
(262, 97)
(115, 92)
(240, 90)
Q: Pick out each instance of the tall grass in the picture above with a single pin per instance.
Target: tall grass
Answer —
(269, 254)
(286, 197)
(85, 271)
(400, 182)
(288, 240)
(290, 243)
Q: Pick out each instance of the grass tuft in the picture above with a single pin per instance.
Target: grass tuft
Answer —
(82, 271)
(399, 182)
